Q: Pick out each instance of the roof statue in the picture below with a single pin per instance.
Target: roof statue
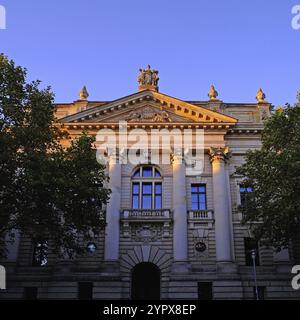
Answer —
(148, 79)
(83, 94)
(212, 94)
(260, 96)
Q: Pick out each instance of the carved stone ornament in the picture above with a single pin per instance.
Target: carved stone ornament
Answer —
(148, 79)
(148, 115)
(219, 153)
(146, 232)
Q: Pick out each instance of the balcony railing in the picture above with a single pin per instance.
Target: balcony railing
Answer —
(201, 218)
(144, 214)
(201, 214)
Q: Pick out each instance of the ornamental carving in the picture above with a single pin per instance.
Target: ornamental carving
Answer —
(146, 232)
(148, 115)
(219, 153)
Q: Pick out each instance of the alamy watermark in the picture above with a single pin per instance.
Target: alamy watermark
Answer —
(2, 278)
(156, 146)
(296, 18)
(296, 278)
(2, 18)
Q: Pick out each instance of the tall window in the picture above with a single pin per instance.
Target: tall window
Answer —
(147, 188)
(251, 245)
(244, 194)
(199, 197)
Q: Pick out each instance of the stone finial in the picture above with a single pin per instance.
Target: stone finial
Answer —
(260, 96)
(148, 79)
(212, 94)
(83, 94)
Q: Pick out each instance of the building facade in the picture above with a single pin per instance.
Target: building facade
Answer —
(172, 232)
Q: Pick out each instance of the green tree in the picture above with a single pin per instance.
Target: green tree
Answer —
(46, 191)
(273, 207)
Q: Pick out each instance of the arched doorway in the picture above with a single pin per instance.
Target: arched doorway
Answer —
(145, 282)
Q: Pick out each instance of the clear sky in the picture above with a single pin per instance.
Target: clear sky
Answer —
(236, 45)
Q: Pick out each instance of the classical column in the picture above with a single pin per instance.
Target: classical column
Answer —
(180, 246)
(112, 230)
(223, 237)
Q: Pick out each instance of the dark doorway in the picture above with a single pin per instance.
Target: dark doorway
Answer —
(145, 282)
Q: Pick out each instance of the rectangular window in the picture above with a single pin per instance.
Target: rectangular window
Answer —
(205, 291)
(251, 246)
(147, 195)
(199, 197)
(135, 195)
(158, 196)
(260, 293)
(85, 290)
(244, 192)
(30, 293)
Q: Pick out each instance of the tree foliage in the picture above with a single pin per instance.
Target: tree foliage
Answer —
(273, 172)
(46, 191)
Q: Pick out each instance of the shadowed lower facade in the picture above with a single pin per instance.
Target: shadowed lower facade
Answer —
(171, 233)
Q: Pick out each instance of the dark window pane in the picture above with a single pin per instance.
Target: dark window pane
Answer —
(147, 202)
(195, 206)
(202, 206)
(202, 198)
(194, 189)
(85, 291)
(158, 188)
(158, 204)
(135, 202)
(194, 198)
(30, 293)
(136, 188)
(137, 173)
(157, 174)
(202, 189)
(205, 291)
(147, 188)
(147, 172)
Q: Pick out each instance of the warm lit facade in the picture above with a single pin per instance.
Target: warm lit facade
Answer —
(181, 231)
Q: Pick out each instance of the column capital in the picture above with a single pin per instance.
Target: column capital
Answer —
(219, 153)
(177, 156)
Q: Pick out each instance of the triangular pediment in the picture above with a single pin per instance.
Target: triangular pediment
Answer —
(148, 107)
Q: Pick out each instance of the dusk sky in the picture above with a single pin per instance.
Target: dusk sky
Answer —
(236, 45)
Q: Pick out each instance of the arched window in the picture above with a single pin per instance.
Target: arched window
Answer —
(146, 188)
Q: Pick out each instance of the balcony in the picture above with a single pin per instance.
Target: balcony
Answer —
(200, 218)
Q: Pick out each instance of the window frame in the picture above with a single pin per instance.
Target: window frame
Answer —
(199, 193)
(153, 180)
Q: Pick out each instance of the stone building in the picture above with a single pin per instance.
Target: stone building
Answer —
(171, 233)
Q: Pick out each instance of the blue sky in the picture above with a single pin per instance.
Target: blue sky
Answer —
(236, 45)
